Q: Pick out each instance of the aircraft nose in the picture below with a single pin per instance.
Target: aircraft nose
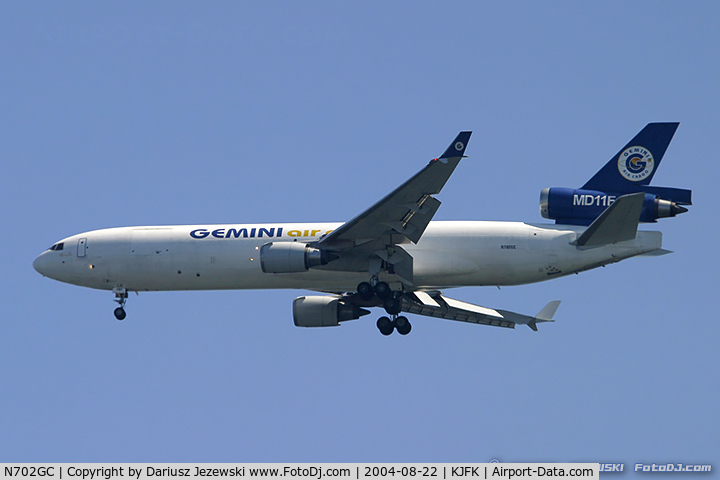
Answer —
(40, 264)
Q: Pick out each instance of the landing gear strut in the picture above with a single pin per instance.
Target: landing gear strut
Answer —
(121, 296)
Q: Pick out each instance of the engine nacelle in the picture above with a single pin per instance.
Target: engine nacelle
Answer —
(581, 207)
(324, 311)
(291, 257)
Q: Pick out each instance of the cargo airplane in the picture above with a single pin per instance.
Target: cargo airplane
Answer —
(392, 255)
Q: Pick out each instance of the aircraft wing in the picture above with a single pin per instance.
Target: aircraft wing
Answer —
(373, 237)
(435, 304)
(404, 213)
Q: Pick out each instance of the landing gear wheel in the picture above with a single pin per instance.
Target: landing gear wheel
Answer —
(382, 290)
(392, 306)
(385, 325)
(402, 325)
(365, 290)
(120, 313)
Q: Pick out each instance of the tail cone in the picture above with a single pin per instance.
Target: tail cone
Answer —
(676, 209)
(666, 208)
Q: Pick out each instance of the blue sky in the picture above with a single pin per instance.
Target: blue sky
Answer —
(129, 113)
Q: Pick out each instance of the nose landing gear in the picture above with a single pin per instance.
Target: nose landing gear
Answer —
(121, 296)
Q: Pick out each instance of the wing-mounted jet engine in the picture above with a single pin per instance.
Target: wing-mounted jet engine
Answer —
(630, 171)
(292, 257)
(324, 311)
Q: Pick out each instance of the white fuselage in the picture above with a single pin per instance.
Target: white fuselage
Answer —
(215, 257)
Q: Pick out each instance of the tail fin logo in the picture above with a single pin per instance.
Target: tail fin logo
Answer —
(636, 163)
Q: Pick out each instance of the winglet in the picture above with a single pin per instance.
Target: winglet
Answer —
(545, 315)
(458, 146)
(617, 223)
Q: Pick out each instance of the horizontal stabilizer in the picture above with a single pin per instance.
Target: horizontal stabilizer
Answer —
(617, 223)
(656, 253)
(545, 315)
(680, 196)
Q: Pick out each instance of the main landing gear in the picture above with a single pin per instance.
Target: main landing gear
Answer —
(401, 324)
(391, 302)
(121, 296)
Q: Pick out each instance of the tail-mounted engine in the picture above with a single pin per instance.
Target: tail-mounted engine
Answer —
(581, 207)
(324, 311)
(292, 257)
(631, 170)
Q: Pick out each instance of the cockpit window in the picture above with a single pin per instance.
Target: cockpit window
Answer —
(56, 247)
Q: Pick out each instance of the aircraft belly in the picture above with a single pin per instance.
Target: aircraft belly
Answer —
(585, 259)
(496, 255)
(515, 254)
(193, 266)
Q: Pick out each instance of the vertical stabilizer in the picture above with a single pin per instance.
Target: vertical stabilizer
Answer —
(636, 163)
